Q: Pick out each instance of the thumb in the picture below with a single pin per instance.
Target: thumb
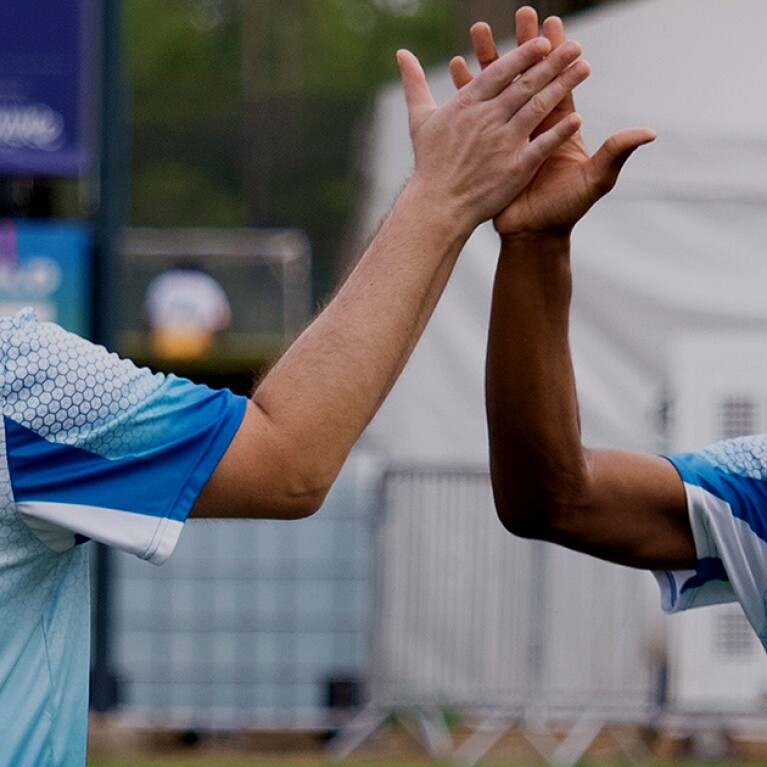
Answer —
(609, 160)
(417, 92)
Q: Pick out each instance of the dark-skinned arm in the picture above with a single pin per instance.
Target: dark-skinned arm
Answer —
(625, 507)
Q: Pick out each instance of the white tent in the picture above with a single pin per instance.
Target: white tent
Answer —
(681, 244)
(678, 249)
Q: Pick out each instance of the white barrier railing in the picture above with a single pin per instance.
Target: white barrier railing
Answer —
(469, 618)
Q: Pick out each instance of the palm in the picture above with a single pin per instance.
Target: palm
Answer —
(556, 198)
(570, 181)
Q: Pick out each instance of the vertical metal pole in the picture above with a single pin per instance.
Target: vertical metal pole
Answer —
(109, 221)
(535, 698)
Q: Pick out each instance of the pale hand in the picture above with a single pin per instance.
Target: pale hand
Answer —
(482, 148)
(570, 181)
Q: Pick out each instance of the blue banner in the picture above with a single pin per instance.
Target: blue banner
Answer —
(48, 265)
(47, 87)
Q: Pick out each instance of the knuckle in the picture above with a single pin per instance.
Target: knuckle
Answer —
(525, 86)
(496, 76)
(538, 105)
(464, 98)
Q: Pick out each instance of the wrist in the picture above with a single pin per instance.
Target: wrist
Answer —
(536, 244)
(537, 269)
(442, 210)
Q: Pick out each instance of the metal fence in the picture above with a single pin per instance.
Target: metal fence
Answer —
(405, 583)
(503, 631)
(441, 634)
(468, 615)
(252, 624)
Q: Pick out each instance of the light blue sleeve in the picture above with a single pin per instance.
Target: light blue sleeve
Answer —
(98, 448)
(726, 489)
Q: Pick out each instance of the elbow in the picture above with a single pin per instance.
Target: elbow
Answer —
(300, 494)
(528, 518)
(538, 510)
(285, 476)
(523, 506)
(301, 504)
(284, 488)
(541, 493)
(303, 487)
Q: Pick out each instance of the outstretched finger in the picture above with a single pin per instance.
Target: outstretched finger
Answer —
(526, 24)
(554, 31)
(608, 161)
(484, 44)
(526, 21)
(484, 49)
(459, 71)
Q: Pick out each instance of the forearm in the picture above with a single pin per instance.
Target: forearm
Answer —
(325, 389)
(624, 507)
(537, 462)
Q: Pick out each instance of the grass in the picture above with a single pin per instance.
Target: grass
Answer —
(115, 746)
(211, 760)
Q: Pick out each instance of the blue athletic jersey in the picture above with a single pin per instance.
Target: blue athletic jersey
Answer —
(91, 447)
(726, 487)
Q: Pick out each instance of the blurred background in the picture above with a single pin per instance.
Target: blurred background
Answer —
(187, 181)
(252, 114)
(241, 114)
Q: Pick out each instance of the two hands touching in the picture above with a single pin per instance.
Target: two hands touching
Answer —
(506, 147)
(570, 181)
(473, 155)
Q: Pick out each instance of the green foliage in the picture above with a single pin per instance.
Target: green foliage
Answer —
(244, 112)
(179, 55)
(191, 190)
(350, 44)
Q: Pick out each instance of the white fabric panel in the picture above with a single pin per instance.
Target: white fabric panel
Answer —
(150, 538)
(741, 551)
